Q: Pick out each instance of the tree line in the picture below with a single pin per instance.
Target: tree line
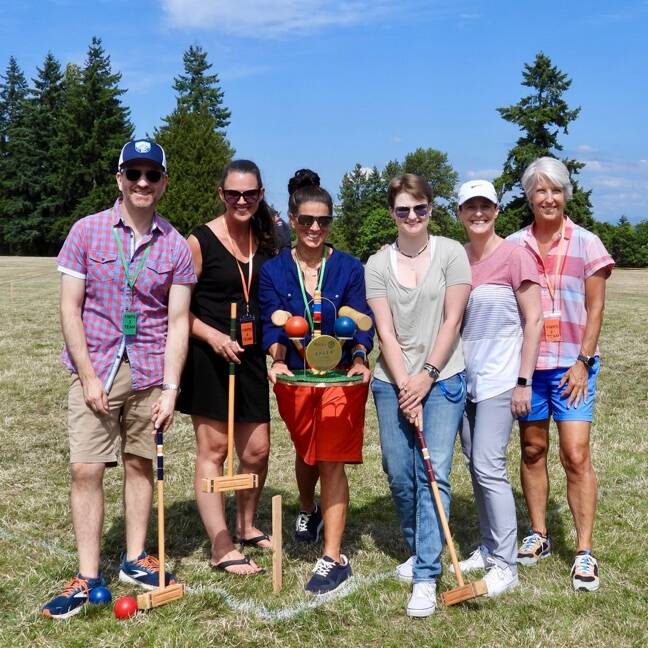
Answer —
(60, 137)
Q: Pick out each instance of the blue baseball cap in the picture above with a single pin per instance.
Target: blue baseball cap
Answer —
(143, 149)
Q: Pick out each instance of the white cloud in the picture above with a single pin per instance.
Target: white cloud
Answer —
(585, 148)
(483, 174)
(271, 18)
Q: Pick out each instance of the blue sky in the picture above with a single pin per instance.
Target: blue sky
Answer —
(328, 83)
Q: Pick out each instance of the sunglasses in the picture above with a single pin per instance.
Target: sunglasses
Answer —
(420, 210)
(324, 222)
(232, 196)
(133, 175)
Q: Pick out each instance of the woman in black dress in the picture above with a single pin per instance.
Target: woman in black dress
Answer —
(228, 253)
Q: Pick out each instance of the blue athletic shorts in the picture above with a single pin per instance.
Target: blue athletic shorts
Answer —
(546, 399)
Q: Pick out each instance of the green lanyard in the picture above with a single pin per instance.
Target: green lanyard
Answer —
(319, 285)
(130, 279)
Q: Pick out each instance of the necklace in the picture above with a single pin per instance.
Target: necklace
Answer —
(304, 267)
(412, 256)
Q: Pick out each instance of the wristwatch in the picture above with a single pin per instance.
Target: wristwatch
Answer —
(431, 371)
(359, 353)
(170, 387)
(524, 382)
(588, 361)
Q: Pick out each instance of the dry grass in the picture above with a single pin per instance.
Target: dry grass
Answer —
(37, 551)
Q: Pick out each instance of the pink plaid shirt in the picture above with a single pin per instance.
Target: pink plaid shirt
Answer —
(580, 257)
(90, 253)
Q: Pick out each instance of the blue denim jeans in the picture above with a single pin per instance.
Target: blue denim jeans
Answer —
(403, 464)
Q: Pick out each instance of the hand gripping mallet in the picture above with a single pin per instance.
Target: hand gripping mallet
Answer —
(164, 593)
(462, 592)
(230, 482)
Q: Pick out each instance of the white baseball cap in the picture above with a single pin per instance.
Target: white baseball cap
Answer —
(473, 188)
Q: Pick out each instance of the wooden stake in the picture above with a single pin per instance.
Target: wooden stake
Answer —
(277, 545)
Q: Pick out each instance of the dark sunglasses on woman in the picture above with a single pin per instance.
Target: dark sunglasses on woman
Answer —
(307, 221)
(420, 210)
(232, 196)
(133, 175)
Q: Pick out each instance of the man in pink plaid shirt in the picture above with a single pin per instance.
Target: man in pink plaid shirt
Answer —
(126, 278)
(573, 265)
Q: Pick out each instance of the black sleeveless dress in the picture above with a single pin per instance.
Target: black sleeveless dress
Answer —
(204, 382)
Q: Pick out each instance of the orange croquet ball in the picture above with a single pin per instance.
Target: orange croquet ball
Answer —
(296, 327)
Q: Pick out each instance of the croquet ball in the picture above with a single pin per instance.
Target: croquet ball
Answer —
(125, 607)
(345, 327)
(296, 327)
(100, 596)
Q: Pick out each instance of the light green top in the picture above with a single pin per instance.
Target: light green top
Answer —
(418, 312)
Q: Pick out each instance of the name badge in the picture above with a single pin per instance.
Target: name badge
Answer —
(552, 326)
(247, 329)
(129, 323)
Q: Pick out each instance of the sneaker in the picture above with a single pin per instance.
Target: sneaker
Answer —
(74, 595)
(143, 571)
(474, 562)
(422, 602)
(499, 579)
(534, 547)
(404, 571)
(328, 575)
(584, 573)
(308, 526)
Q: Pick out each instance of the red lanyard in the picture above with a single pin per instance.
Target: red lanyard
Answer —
(246, 287)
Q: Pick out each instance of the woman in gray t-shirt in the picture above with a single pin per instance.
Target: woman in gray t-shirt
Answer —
(418, 288)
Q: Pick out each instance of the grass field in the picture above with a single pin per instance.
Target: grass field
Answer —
(37, 552)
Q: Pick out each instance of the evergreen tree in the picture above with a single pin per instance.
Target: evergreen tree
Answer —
(13, 202)
(377, 229)
(197, 152)
(541, 116)
(197, 90)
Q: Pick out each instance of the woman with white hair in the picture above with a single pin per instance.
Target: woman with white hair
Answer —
(573, 266)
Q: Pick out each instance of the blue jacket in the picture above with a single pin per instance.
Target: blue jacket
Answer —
(343, 285)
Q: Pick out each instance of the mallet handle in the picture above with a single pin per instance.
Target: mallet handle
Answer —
(230, 398)
(159, 442)
(439, 504)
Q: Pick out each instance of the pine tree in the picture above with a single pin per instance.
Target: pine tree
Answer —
(13, 201)
(197, 90)
(541, 116)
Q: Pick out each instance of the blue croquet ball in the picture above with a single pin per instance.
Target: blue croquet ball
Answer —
(100, 596)
(345, 327)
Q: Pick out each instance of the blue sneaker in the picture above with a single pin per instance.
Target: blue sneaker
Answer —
(143, 571)
(308, 526)
(328, 575)
(74, 595)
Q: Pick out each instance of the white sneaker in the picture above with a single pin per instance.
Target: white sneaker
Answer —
(404, 571)
(474, 562)
(500, 579)
(584, 573)
(422, 602)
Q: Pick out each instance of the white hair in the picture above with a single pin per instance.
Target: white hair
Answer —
(551, 169)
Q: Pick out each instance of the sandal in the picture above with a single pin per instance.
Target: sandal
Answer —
(224, 564)
(253, 542)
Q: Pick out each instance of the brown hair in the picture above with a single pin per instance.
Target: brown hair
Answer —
(412, 184)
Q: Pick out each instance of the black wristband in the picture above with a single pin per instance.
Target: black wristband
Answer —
(277, 361)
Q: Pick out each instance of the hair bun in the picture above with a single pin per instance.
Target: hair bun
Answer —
(303, 178)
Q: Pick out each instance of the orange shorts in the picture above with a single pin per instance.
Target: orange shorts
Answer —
(325, 423)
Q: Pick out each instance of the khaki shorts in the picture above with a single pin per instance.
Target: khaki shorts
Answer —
(127, 428)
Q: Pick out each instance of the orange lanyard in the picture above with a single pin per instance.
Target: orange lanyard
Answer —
(559, 265)
(246, 287)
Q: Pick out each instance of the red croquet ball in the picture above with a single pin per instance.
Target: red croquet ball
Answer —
(125, 607)
(296, 327)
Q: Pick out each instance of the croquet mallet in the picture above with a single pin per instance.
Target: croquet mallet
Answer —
(164, 593)
(462, 592)
(230, 482)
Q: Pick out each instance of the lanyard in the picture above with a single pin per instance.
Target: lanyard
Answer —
(320, 281)
(130, 279)
(246, 287)
(559, 265)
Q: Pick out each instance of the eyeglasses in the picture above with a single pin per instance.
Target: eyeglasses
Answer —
(420, 210)
(133, 175)
(307, 221)
(232, 196)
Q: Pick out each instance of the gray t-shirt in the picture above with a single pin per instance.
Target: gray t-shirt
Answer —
(418, 312)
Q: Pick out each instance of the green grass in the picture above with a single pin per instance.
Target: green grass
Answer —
(37, 551)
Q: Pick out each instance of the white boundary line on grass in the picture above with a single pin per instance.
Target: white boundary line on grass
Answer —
(244, 606)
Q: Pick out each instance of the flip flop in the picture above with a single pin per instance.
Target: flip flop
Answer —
(224, 564)
(252, 542)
